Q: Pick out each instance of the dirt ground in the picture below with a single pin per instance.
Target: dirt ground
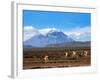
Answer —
(33, 60)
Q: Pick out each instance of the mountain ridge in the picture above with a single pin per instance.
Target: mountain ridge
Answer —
(54, 37)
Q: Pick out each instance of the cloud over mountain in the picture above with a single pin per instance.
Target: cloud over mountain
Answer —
(80, 34)
(29, 32)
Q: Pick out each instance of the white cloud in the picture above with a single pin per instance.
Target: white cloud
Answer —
(80, 33)
(28, 28)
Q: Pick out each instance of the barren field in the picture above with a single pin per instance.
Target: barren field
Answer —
(36, 58)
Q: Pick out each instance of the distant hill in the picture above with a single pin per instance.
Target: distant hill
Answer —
(72, 44)
(27, 46)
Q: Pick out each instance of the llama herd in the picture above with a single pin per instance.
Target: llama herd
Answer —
(73, 55)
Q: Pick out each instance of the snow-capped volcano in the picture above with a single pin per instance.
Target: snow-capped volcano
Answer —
(55, 37)
(45, 37)
(47, 30)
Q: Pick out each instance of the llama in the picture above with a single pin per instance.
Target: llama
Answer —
(75, 55)
(46, 59)
(66, 54)
(85, 53)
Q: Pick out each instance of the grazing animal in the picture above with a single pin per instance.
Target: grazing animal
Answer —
(46, 59)
(75, 55)
(66, 54)
(85, 53)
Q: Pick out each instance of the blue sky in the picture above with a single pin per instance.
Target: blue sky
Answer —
(65, 21)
